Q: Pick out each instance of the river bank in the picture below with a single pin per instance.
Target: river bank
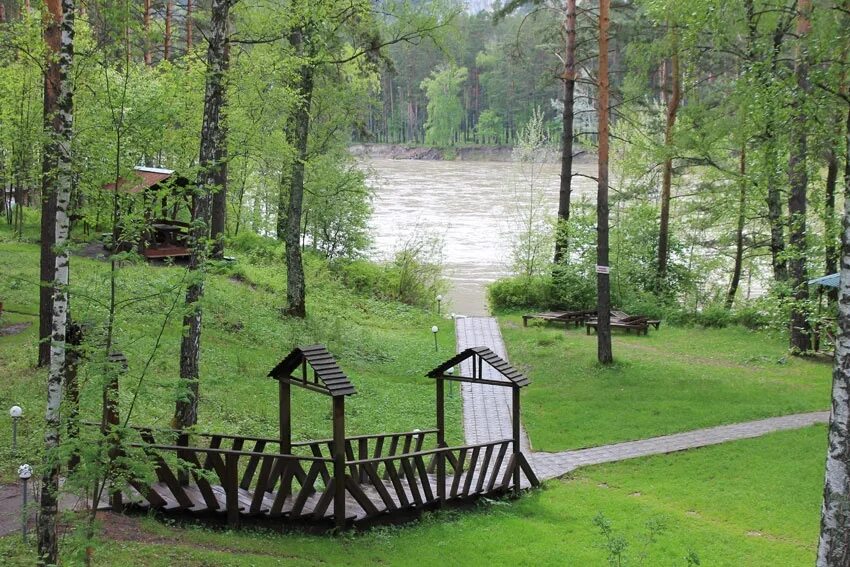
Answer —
(403, 151)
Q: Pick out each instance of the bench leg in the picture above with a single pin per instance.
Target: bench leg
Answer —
(525, 321)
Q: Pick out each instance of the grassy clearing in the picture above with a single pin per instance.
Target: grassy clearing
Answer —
(672, 380)
(742, 503)
(386, 348)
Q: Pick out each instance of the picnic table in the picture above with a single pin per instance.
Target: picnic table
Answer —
(622, 320)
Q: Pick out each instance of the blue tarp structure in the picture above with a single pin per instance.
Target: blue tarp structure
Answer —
(826, 281)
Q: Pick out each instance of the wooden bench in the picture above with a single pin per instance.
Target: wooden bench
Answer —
(639, 323)
(566, 317)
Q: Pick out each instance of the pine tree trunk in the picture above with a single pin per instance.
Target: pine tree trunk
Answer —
(569, 77)
(667, 176)
(798, 181)
(146, 19)
(48, 543)
(212, 139)
(739, 232)
(189, 24)
(52, 125)
(295, 286)
(603, 283)
(834, 545)
(166, 47)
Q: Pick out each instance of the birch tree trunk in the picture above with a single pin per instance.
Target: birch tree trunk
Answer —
(48, 544)
(603, 283)
(569, 77)
(212, 140)
(834, 544)
(798, 181)
(52, 126)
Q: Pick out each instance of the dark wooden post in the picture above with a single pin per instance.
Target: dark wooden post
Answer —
(339, 461)
(441, 441)
(285, 419)
(231, 488)
(516, 436)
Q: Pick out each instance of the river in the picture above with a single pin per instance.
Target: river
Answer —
(470, 205)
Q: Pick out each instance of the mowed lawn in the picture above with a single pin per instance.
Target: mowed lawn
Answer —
(751, 503)
(385, 348)
(672, 380)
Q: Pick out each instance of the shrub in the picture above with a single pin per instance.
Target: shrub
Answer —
(259, 249)
(751, 317)
(714, 316)
(520, 292)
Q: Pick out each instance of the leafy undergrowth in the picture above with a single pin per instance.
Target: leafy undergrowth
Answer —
(385, 348)
(672, 380)
(742, 503)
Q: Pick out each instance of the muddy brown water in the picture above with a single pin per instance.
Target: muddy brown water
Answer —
(471, 206)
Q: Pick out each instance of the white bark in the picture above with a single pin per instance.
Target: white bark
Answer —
(48, 542)
(834, 547)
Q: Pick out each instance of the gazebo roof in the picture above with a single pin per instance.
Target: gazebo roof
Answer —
(144, 178)
(826, 281)
(500, 365)
(328, 378)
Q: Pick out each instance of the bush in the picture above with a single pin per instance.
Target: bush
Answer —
(751, 317)
(714, 316)
(521, 292)
(258, 249)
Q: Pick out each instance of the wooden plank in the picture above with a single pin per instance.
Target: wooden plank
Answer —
(317, 452)
(392, 473)
(529, 473)
(324, 501)
(262, 480)
(155, 500)
(482, 473)
(423, 476)
(169, 478)
(259, 447)
(306, 490)
(499, 458)
(458, 473)
(509, 471)
(360, 497)
(362, 453)
(412, 483)
(231, 488)
(201, 482)
(380, 487)
(473, 460)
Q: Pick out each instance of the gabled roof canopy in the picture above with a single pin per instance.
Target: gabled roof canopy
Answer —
(327, 377)
(144, 178)
(478, 355)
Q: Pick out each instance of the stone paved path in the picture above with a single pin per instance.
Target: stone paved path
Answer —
(487, 417)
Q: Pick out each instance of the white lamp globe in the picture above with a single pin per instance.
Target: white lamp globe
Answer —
(439, 298)
(16, 411)
(24, 472)
(434, 329)
(451, 371)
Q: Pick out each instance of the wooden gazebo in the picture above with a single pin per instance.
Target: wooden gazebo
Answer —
(367, 478)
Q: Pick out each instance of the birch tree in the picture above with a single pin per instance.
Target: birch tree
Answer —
(48, 545)
(212, 142)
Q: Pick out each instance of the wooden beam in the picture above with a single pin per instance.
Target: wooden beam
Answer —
(339, 461)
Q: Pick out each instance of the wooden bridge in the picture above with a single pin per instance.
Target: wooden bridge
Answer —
(340, 481)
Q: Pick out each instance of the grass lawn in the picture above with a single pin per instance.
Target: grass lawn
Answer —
(672, 380)
(386, 348)
(753, 502)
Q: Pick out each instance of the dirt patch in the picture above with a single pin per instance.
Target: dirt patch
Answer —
(14, 329)
(94, 250)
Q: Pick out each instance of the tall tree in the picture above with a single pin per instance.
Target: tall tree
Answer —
(834, 544)
(569, 78)
(798, 181)
(667, 176)
(52, 126)
(298, 132)
(61, 181)
(603, 283)
(212, 141)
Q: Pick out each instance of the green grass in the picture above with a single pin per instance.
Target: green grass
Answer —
(753, 502)
(385, 348)
(672, 380)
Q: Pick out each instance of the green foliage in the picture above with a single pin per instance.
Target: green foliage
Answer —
(445, 110)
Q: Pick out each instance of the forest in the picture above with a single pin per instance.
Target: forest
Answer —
(217, 135)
